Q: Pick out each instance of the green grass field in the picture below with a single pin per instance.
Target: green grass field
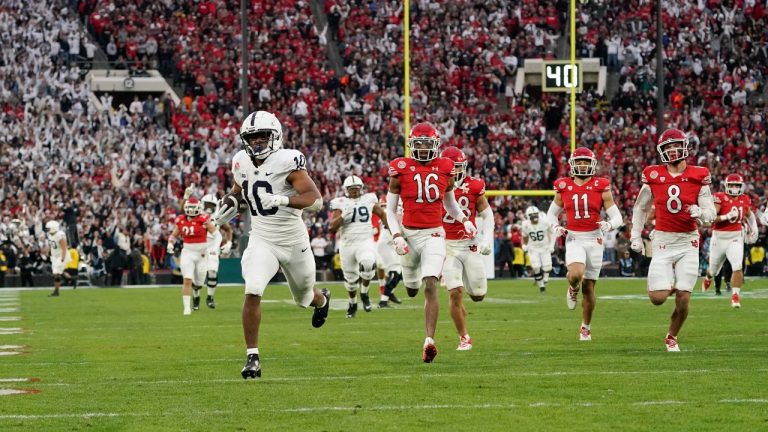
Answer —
(126, 359)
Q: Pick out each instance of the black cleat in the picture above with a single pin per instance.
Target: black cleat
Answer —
(210, 303)
(384, 305)
(366, 302)
(542, 290)
(320, 314)
(54, 294)
(718, 292)
(352, 310)
(394, 299)
(196, 303)
(252, 367)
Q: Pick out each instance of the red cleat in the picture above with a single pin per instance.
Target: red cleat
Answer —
(705, 284)
(429, 354)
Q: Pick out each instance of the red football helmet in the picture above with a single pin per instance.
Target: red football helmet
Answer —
(582, 153)
(734, 184)
(423, 142)
(672, 145)
(192, 207)
(459, 162)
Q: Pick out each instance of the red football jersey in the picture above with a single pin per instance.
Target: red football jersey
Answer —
(726, 203)
(467, 194)
(376, 222)
(673, 195)
(582, 203)
(422, 189)
(193, 230)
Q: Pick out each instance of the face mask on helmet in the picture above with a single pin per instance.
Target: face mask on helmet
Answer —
(460, 169)
(423, 149)
(259, 143)
(583, 167)
(734, 188)
(192, 209)
(673, 151)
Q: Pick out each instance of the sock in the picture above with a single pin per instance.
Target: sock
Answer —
(250, 351)
(187, 302)
(540, 283)
(364, 288)
(325, 301)
(195, 292)
(352, 300)
(428, 341)
(587, 326)
(211, 291)
(735, 290)
(546, 277)
(384, 298)
(466, 336)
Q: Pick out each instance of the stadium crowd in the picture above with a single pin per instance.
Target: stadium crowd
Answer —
(118, 173)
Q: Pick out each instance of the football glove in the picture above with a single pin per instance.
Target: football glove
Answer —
(733, 214)
(269, 201)
(637, 245)
(401, 246)
(347, 214)
(469, 229)
(605, 226)
(189, 191)
(226, 248)
(485, 248)
(559, 231)
(525, 247)
(171, 249)
(228, 208)
(695, 211)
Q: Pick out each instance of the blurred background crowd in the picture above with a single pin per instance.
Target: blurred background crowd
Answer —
(332, 72)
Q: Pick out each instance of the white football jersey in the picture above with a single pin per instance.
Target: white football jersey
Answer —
(279, 225)
(54, 242)
(539, 235)
(359, 228)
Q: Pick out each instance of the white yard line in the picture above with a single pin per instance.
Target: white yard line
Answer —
(10, 318)
(99, 414)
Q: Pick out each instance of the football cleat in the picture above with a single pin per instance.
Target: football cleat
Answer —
(366, 302)
(187, 311)
(320, 314)
(671, 344)
(718, 292)
(705, 285)
(429, 354)
(384, 305)
(252, 367)
(196, 303)
(210, 303)
(570, 298)
(735, 301)
(352, 310)
(465, 343)
(54, 294)
(394, 299)
(542, 290)
(585, 334)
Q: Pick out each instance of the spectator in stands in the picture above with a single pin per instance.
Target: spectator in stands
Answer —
(626, 265)
(27, 266)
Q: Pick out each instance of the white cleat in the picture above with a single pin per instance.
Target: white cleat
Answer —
(585, 334)
(570, 298)
(735, 301)
(187, 311)
(465, 343)
(671, 344)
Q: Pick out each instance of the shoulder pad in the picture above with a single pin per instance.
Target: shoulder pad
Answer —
(561, 183)
(289, 160)
(338, 203)
(397, 166)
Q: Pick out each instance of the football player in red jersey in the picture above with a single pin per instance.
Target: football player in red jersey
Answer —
(463, 266)
(583, 196)
(193, 226)
(733, 208)
(389, 271)
(681, 197)
(425, 183)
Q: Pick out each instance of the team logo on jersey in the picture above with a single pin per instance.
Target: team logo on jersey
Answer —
(437, 234)
(570, 187)
(599, 240)
(695, 243)
(662, 178)
(561, 185)
(473, 248)
(435, 168)
(654, 174)
(413, 168)
(401, 164)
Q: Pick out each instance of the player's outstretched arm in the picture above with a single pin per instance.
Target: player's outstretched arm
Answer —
(393, 199)
(485, 224)
(752, 233)
(553, 215)
(307, 195)
(640, 211)
(64, 249)
(336, 220)
(612, 210)
(378, 211)
(228, 206)
(172, 240)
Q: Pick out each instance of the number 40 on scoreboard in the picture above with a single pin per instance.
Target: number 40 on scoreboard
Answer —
(561, 76)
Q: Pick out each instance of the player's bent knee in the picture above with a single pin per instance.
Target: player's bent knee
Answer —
(412, 292)
(477, 298)
(351, 286)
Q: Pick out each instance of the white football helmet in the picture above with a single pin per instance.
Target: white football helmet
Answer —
(192, 207)
(532, 212)
(210, 204)
(352, 181)
(261, 123)
(52, 227)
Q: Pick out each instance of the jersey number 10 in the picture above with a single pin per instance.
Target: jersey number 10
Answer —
(255, 206)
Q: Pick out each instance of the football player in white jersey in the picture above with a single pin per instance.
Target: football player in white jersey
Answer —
(538, 242)
(390, 270)
(60, 256)
(352, 219)
(275, 185)
(219, 243)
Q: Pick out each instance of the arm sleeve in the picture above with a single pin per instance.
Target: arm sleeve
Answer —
(392, 201)
(752, 223)
(707, 205)
(640, 211)
(553, 214)
(614, 217)
(486, 224)
(452, 207)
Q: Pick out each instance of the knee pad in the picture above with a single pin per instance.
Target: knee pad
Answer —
(538, 276)
(350, 286)
(367, 269)
(196, 287)
(212, 279)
